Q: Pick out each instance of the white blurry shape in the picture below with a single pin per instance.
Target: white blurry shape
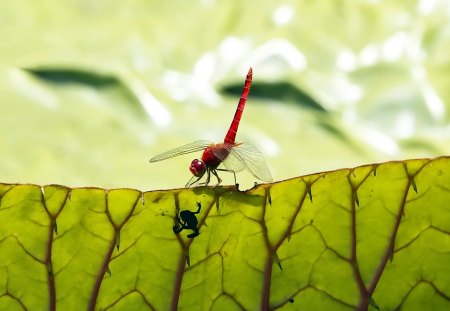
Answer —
(231, 50)
(32, 88)
(199, 84)
(277, 52)
(270, 147)
(403, 44)
(369, 55)
(434, 103)
(346, 60)
(341, 91)
(283, 14)
(393, 48)
(157, 112)
(379, 140)
(351, 93)
(202, 82)
(413, 48)
(205, 66)
(267, 59)
(175, 82)
(404, 125)
(426, 7)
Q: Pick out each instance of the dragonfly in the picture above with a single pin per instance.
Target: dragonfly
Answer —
(234, 157)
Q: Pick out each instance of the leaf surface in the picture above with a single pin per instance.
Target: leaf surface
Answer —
(375, 236)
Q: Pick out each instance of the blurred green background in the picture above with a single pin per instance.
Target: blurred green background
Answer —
(91, 90)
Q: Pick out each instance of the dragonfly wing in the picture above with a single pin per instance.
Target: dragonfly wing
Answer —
(228, 158)
(253, 160)
(221, 151)
(233, 163)
(189, 148)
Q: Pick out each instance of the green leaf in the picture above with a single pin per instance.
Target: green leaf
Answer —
(372, 237)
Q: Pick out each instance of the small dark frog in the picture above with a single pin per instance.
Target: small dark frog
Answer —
(188, 220)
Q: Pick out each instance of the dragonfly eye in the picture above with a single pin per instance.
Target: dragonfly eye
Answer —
(197, 168)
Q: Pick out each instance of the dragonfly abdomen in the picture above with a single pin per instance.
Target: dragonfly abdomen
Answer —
(231, 134)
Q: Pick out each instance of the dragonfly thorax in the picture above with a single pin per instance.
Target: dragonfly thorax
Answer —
(214, 155)
(197, 168)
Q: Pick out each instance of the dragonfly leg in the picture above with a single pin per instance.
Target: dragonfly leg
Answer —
(219, 180)
(192, 181)
(229, 171)
(208, 178)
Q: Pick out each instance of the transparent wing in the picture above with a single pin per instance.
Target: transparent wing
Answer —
(247, 156)
(189, 148)
(221, 151)
(233, 163)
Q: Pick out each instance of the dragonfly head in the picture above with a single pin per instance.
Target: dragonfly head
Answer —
(197, 168)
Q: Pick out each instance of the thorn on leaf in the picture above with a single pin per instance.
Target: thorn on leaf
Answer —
(373, 303)
(413, 183)
(117, 240)
(188, 259)
(356, 198)
(55, 226)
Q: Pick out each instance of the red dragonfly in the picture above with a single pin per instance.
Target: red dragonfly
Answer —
(235, 157)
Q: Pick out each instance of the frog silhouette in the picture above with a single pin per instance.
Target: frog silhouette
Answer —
(187, 220)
